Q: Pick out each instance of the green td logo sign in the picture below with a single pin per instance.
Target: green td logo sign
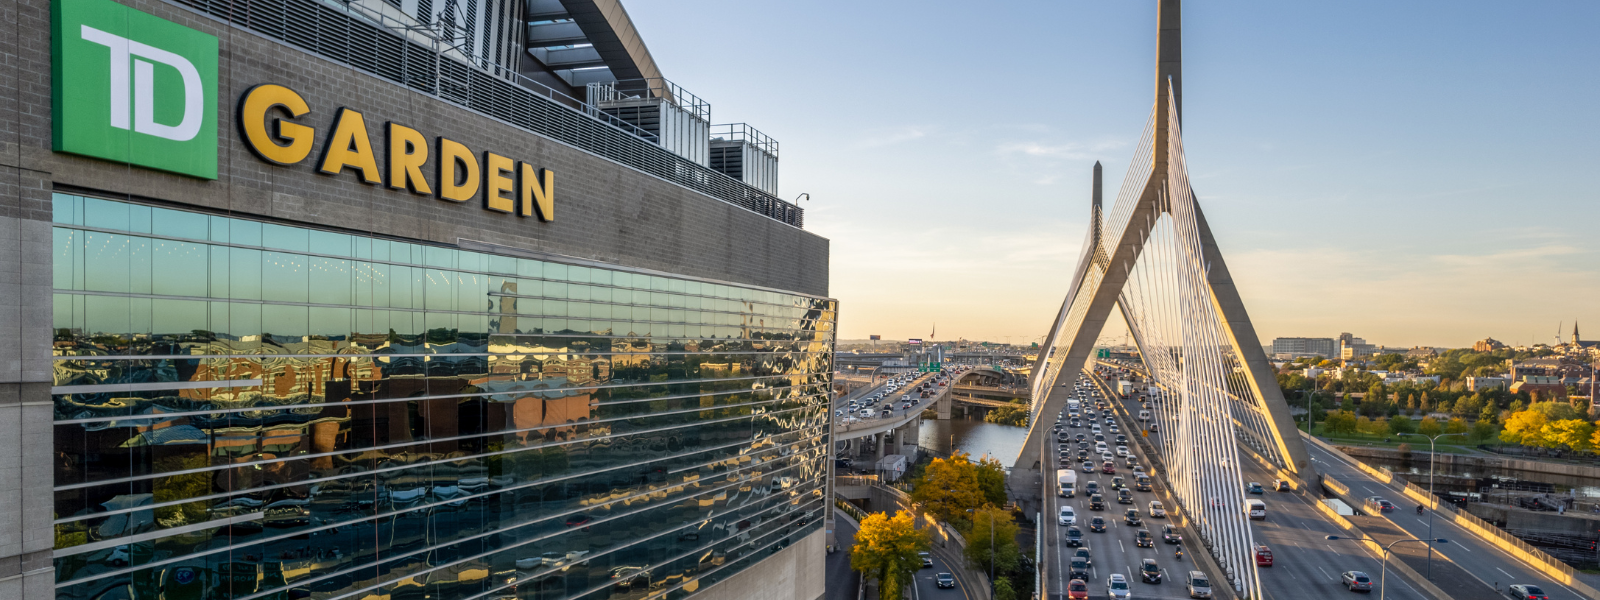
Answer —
(133, 88)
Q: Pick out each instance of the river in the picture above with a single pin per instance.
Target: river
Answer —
(974, 437)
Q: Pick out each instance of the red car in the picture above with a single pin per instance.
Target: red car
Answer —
(1263, 556)
(1078, 589)
(1108, 468)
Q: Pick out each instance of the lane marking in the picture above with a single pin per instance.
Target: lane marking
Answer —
(1504, 571)
(1324, 572)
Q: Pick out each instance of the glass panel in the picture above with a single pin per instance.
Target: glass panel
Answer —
(179, 224)
(182, 270)
(284, 277)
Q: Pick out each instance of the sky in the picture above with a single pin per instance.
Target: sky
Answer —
(1415, 173)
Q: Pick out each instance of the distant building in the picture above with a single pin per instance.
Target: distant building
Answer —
(1487, 345)
(1479, 384)
(1353, 348)
(1548, 387)
(1420, 352)
(1299, 346)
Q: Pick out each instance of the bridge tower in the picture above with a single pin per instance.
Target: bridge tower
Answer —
(1153, 257)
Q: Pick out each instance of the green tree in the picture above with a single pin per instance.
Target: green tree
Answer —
(1489, 412)
(1456, 425)
(992, 480)
(948, 488)
(1481, 431)
(1340, 423)
(1003, 590)
(1429, 426)
(1556, 411)
(1005, 550)
(886, 550)
(1400, 424)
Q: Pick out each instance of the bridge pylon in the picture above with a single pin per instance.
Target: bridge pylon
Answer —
(1154, 259)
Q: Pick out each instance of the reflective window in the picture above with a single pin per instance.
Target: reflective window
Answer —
(258, 402)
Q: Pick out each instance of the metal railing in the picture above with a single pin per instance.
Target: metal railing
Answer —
(413, 55)
(743, 132)
(649, 88)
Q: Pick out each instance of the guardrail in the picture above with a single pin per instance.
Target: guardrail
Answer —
(1356, 535)
(1538, 559)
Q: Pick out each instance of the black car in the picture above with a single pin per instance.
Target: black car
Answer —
(1097, 524)
(1079, 437)
(1097, 502)
(1149, 571)
(1117, 483)
(944, 580)
(1079, 570)
(1143, 539)
(1142, 484)
(1170, 535)
(1074, 537)
(1124, 496)
(1083, 553)
(1131, 517)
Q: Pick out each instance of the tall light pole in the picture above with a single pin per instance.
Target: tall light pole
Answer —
(1383, 564)
(1431, 454)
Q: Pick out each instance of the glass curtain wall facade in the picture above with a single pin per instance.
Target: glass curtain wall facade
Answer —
(246, 409)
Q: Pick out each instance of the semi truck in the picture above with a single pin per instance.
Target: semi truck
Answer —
(1066, 483)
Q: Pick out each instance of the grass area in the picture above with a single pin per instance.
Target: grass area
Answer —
(1451, 445)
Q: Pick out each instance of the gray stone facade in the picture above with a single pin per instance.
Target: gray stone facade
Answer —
(604, 212)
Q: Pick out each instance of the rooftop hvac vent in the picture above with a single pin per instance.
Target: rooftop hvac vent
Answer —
(744, 153)
(679, 120)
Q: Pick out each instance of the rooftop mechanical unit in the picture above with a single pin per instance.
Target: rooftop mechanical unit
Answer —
(743, 153)
(679, 121)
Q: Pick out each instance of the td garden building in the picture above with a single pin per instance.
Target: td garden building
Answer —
(395, 299)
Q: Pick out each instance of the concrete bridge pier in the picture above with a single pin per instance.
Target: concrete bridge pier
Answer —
(942, 407)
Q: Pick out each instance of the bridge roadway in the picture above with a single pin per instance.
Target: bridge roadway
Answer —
(1476, 556)
(896, 417)
(1306, 565)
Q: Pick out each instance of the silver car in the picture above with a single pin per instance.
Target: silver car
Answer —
(1117, 587)
(1199, 585)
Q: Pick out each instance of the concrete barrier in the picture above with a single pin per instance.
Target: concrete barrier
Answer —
(1536, 558)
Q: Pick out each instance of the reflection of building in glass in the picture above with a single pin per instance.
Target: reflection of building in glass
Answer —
(265, 440)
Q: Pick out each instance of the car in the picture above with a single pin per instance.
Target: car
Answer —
(1074, 537)
(1149, 571)
(1157, 511)
(1356, 581)
(1124, 496)
(1281, 485)
(1254, 488)
(1097, 524)
(1122, 451)
(1083, 553)
(1117, 483)
(1377, 503)
(1108, 467)
(1097, 502)
(1142, 539)
(1263, 556)
(1079, 569)
(944, 580)
(927, 559)
(1170, 535)
(1092, 487)
(1199, 586)
(1088, 467)
(1083, 454)
(1067, 516)
(1528, 592)
(1131, 518)
(1142, 483)
(1117, 587)
(1079, 437)
(1078, 589)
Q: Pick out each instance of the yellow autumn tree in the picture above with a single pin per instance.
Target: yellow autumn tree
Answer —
(1524, 427)
(886, 550)
(1571, 433)
(948, 488)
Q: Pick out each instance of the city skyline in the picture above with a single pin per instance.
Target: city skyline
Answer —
(1411, 144)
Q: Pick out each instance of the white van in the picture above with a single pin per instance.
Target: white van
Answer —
(1256, 509)
(1144, 415)
(869, 414)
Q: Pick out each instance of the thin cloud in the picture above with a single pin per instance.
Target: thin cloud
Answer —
(890, 138)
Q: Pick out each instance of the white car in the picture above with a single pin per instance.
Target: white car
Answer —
(1122, 451)
(1067, 516)
(1157, 511)
(1117, 587)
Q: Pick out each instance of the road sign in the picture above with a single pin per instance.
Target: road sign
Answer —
(915, 342)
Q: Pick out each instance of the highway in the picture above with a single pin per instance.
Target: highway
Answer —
(1113, 551)
(1477, 557)
(1305, 563)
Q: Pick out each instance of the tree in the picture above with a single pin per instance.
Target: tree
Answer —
(1428, 427)
(1524, 428)
(1571, 433)
(1468, 406)
(1003, 590)
(1341, 422)
(992, 480)
(1489, 412)
(1456, 425)
(1400, 424)
(1482, 430)
(1556, 411)
(1005, 550)
(948, 488)
(1371, 426)
(886, 549)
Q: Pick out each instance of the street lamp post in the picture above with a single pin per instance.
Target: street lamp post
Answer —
(1383, 563)
(1431, 454)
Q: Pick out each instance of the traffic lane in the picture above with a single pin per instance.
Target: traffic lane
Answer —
(1478, 558)
(842, 582)
(1305, 563)
(927, 584)
(1115, 550)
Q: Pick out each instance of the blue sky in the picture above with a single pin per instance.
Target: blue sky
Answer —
(1416, 173)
